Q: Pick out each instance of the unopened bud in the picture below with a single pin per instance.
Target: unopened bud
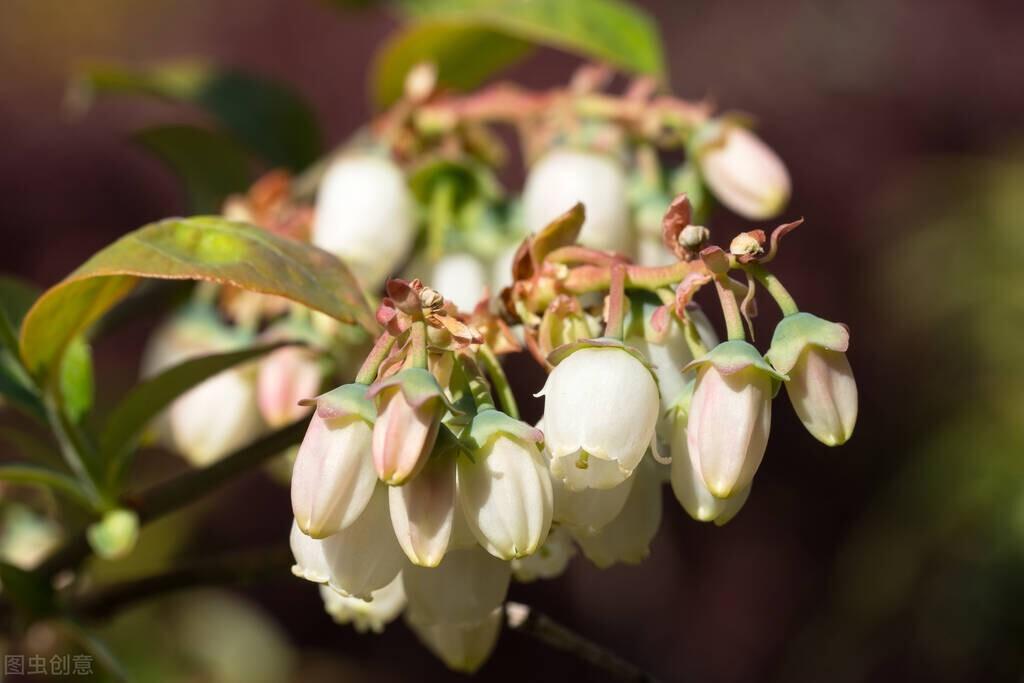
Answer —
(693, 237)
(745, 244)
(431, 298)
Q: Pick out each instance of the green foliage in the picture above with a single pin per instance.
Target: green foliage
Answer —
(469, 40)
(210, 164)
(199, 248)
(261, 114)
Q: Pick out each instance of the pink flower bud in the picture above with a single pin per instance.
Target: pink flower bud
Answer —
(410, 406)
(423, 511)
(730, 416)
(688, 483)
(743, 172)
(285, 377)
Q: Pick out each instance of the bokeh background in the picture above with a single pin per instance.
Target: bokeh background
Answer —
(897, 557)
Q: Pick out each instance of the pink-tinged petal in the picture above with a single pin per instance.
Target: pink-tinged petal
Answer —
(423, 512)
(285, 377)
(403, 436)
(824, 394)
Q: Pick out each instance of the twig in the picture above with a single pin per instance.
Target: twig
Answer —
(525, 619)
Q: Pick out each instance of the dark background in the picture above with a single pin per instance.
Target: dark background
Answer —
(896, 119)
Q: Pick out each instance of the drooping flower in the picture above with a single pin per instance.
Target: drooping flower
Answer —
(365, 215)
(466, 587)
(423, 511)
(600, 403)
(742, 171)
(366, 615)
(588, 510)
(364, 556)
(310, 563)
(410, 406)
(549, 562)
(505, 488)
(821, 386)
(564, 177)
(333, 477)
(730, 416)
(462, 646)
(286, 376)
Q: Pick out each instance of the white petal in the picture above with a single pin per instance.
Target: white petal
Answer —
(366, 615)
(423, 512)
(461, 646)
(366, 555)
(310, 563)
(824, 394)
(589, 510)
(550, 561)
(467, 586)
(216, 417)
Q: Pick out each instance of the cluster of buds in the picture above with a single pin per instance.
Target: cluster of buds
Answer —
(412, 491)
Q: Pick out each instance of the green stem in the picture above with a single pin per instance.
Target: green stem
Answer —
(500, 380)
(418, 342)
(693, 340)
(730, 310)
(616, 303)
(478, 386)
(442, 201)
(786, 302)
(381, 348)
(72, 449)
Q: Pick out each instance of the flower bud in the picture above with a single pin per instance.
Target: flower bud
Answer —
(688, 484)
(366, 615)
(730, 416)
(365, 215)
(286, 376)
(627, 538)
(114, 535)
(505, 489)
(600, 403)
(364, 556)
(742, 171)
(464, 646)
(333, 477)
(462, 278)
(564, 177)
(466, 587)
(310, 563)
(821, 386)
(410, 406)
(423, 511)
(549, 562)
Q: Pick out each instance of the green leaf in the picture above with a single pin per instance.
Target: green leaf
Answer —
(607, 30)
(36, 475)
(199, 248)
(147, 399)
(77, 387)
(16, 298)
(30, 592)
(465, 56)
(263, 115)
(210, 164)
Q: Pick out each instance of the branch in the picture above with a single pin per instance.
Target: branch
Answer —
(525, 619)
(246, 567)
(182, 490)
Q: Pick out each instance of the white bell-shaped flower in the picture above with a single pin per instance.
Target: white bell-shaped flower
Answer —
(689, 487)
(466, 587)
(730, 416)
(563, 177)
(366, 615)
(310, 563)
(601, 403)
(742, 171)
(589, 510)
(550, 561)
(365, 556)
(627, 538)
(216, 417)
(333, 477)
(462, 278)
(365, 215)
(462, 646)
(423, 511)
(505, 493)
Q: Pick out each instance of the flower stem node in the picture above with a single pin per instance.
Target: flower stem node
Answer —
(410, 405)
(730, 415)
(505, 489)
(821, 387)
(334, 477)
(601, 404)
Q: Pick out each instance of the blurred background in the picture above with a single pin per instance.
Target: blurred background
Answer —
(899, 556)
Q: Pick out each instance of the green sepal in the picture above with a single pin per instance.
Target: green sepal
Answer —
(736, 355)
(343, 401)
(448, 443)
(798, 331)
(489, 423)
(418, 386)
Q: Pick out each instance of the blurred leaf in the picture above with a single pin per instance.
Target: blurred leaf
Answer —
(16, 298)
(147, 399)
(454, 35)
(77, 388)
(263, 115)
(95, 646)
(44, 476)
(29, 591)
(198, 248)
(465, 56)
(210, 165)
